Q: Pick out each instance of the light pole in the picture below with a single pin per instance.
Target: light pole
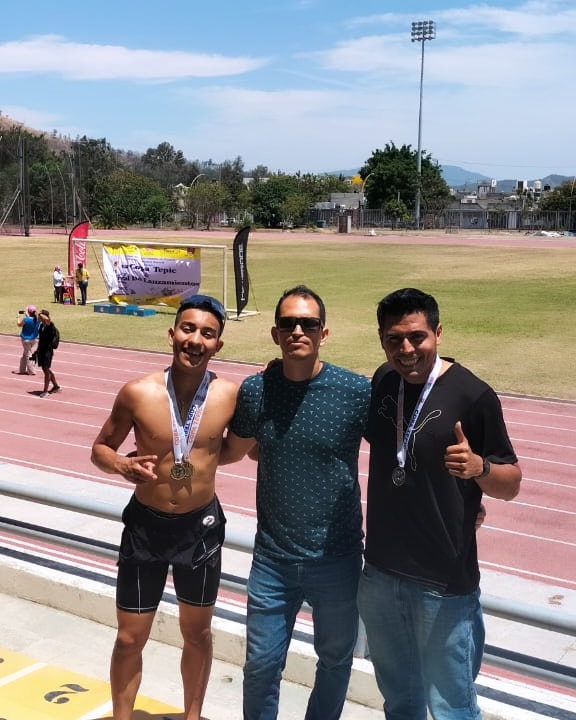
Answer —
(196, 178)
(366, 180)
(421, 31)
(189, 191)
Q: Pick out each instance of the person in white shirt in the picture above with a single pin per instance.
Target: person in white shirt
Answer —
(58, 284)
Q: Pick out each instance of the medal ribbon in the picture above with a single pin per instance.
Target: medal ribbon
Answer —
(403, 438)
(183, 435)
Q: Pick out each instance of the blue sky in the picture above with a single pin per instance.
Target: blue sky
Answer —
(300, 85)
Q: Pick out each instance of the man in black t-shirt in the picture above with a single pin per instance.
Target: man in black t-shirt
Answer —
(437, 443)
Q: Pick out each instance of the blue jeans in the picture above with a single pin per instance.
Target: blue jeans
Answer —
(83, 286)
(426, 646)
(276, 592)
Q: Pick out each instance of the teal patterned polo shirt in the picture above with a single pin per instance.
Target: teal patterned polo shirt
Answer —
(309, 432)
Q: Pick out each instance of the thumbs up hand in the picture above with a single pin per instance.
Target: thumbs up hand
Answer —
(459, 459)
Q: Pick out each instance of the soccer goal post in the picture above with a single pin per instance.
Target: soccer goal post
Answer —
(213, 261)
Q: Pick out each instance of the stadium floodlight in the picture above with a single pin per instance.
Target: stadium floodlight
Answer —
(421, 31)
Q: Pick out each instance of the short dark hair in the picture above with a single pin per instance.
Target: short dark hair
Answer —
(203, 302)
(304, 292)
(405, 302)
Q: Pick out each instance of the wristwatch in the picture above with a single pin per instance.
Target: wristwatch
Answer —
(485, 469)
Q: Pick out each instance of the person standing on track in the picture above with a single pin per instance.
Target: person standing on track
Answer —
(47, 340)
(308, 418)
(173, 518)
(437, 443)
(29, 324)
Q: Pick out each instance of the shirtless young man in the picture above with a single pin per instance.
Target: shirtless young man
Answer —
(174, 517)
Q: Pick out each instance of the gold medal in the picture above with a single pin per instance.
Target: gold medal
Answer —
(177, 472)
(181, 471)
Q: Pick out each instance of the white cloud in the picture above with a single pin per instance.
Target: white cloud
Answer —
(372, 54)
(78, 61)
(456, 58)
(245, 106)
(529, 20)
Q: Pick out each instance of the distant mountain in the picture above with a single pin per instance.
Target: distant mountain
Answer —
(457, 177)
(550, 180)
(454, 176)
(344, 173)
(461, 179)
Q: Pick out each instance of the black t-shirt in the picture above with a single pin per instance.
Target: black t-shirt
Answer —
(46, 337)
(425, 528)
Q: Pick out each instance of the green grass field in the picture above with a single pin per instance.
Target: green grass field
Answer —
(507, 313)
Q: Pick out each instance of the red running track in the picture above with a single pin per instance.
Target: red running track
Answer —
(532, 536)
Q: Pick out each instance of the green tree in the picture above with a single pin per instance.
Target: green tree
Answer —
(203, 201)
(19, 149)
(167, 166)
(286, 199)
(561, 198)
(393, 177)
(155, 208)
(319, 187)
(46, 196)
(126, 198)
(398, 210)
(232, 178)
(268, 199)
(85, 162)
(259, 172)
(294, 209)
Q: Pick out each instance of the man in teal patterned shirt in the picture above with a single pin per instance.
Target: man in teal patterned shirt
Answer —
(307, 419)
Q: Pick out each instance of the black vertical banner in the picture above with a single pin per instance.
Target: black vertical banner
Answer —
(240, 269)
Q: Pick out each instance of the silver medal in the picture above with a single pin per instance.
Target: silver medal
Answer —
(398, 476)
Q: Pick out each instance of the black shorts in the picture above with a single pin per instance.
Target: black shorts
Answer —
(153, 540)
(44, 359)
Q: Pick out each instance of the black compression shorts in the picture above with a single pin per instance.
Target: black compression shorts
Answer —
(153, 540)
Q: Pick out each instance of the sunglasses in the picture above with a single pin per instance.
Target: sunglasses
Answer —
(287, 323)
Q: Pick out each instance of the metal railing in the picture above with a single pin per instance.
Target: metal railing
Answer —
(517, 612)
(467, 217)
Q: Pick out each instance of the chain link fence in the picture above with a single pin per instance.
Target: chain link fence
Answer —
(450, 220)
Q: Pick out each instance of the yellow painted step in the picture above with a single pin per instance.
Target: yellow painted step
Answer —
(35, 691)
